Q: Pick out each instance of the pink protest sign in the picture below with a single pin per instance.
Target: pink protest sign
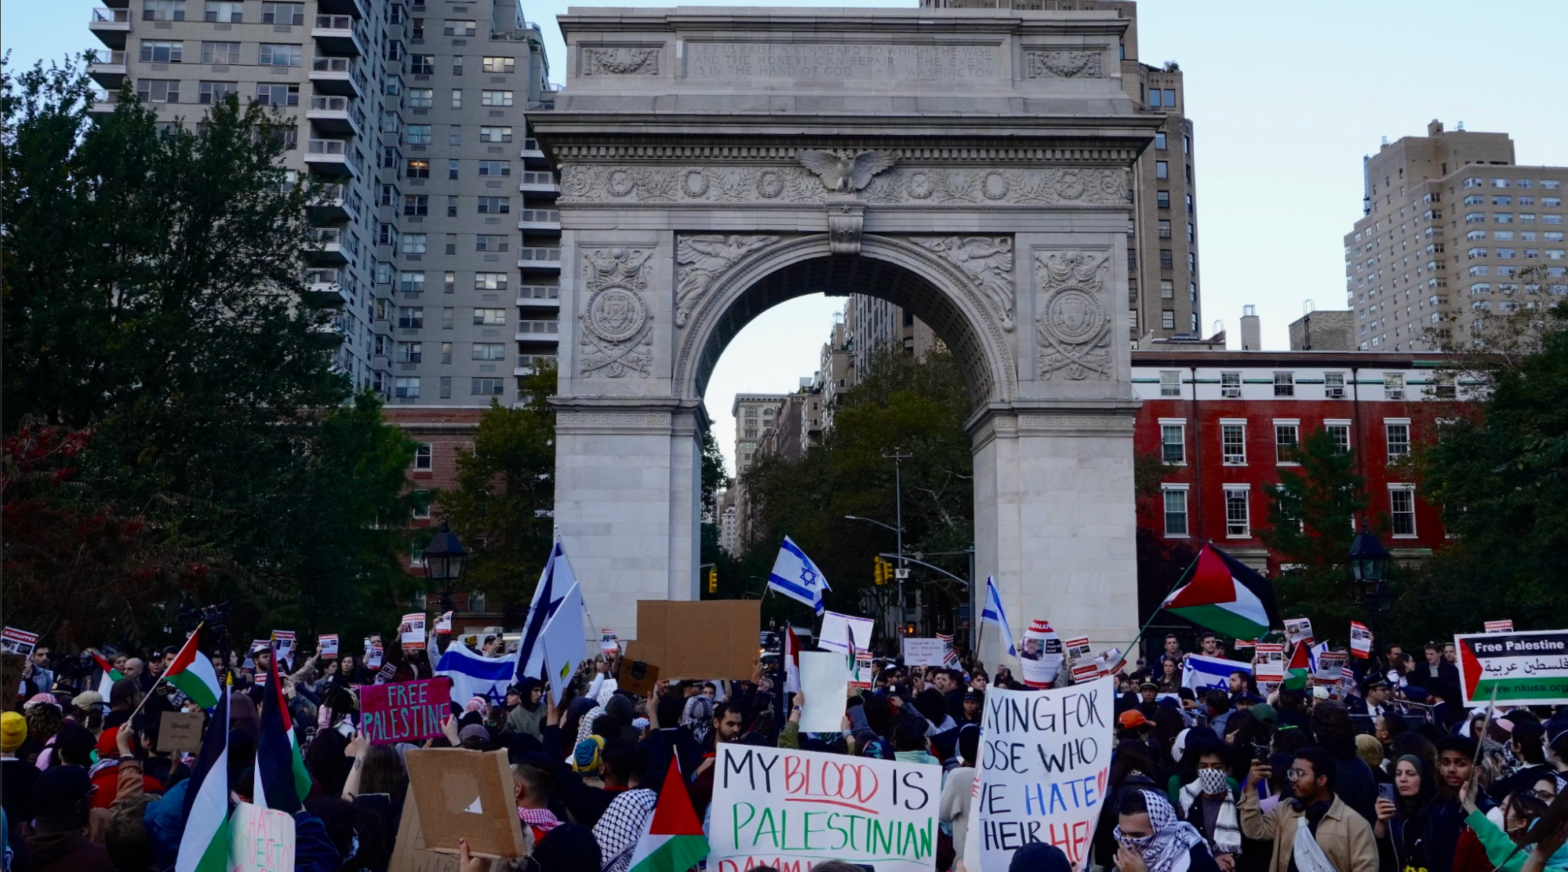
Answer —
(405, 711)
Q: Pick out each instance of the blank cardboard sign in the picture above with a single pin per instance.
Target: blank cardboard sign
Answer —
(412, 854)
(698, 640)
(465, 794)
(180, 731)
(637, 676)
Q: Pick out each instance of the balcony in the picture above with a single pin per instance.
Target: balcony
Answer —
(539, 182)
(324, 290)
(536, 331)
(528, 364)
(337, 35)
(334, 203)
(331, 157)
(337, 76)
(539, 258)
(539, 219)
(539, 296)
(104, 102)
(107, 68)
(111, 26)
(335, 115)
(531, 149)
(340, 7)
(327, 247)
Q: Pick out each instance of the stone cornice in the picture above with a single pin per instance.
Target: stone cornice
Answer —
(568, 149)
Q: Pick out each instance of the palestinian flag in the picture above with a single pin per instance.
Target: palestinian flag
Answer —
(192, 673)
(672, 840)
(1298, 672)
(1221, 594)
(204, 845)
(282, 782)
(110, 676)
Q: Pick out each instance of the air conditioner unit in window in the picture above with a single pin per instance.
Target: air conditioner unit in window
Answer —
(1334, 392)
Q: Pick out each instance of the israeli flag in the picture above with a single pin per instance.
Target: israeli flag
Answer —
(795, 576)
(994, 613)
(556, 579)
(475, 675)
(1210, 673)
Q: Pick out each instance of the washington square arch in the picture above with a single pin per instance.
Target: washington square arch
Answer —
(969, 165)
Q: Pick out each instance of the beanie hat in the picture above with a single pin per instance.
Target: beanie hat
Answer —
(586, 756)
(13, 731)
(1264, 712)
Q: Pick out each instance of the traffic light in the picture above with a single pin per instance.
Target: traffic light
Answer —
(909, 629)
(713, 579)
(882, 571)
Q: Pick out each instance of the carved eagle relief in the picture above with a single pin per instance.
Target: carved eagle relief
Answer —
(844, 172)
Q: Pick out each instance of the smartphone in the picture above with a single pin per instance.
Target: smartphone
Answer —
(1260, 752)
(1386, 791)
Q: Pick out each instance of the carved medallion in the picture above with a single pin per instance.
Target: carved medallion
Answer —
(616, 338)
(1073, 326)
(620, 61)
(616, 314)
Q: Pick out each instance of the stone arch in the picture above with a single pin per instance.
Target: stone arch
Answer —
(892, 268)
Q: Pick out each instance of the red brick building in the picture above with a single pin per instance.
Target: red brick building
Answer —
(1228, 420)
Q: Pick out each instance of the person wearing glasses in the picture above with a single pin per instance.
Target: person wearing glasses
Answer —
(1315, 831)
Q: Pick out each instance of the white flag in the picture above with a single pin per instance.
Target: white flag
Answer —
(563, 642)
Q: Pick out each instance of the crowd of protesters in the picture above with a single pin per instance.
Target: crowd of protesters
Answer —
(1396, 777)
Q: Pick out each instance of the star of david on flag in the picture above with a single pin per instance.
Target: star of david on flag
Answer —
(795, 576)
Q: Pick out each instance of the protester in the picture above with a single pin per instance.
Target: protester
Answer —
(1152, 839)
(1208, 804)
(1314, 831)
(1402, 823)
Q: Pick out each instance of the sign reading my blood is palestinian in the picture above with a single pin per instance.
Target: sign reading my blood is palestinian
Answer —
(1523, 668)
(1044, 759)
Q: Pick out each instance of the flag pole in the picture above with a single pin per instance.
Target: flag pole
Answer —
(1133, 645)
(155, 684)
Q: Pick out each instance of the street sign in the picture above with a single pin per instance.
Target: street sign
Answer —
(900, 574)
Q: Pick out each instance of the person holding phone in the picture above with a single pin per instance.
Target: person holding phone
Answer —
(1403, 825)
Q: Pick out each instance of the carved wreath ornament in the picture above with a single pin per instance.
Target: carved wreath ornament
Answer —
(618, 326)
(1073, 326)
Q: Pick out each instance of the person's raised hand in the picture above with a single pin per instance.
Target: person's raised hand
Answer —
(467, 861)
(123, 739)
(357, 746)
(1467, 793)
(1258, 774)
(1385, 808)
(449, 729)
(799, 699)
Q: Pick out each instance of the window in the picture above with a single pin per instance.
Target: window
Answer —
(1334, 385)
(416, 28)
(487, 387)
(1475, 217)
(408, 389)
(1170, 98)
(1170, 383)
(489, 242)
(1165, 229)
(1162, 199)
(170, 52)
(414, 243)
(1393, 385)
(1499, 183)
(457, 65)
(1159, 141)
(416, 204)
(215, 92)
(282, 13)
(1233, 443)
(418, 134)
(1397, 434)
(1173, 442)
(1402, 510)
(218, 52)
(489, 351)
(495, 134)
(410, 317)
(453, 27)
(457, 98)
(490, 281)
(495, 205)
(1238, 524)
(422, 64)
(163, 10)
(424, 453)
(276, 55)
(1167, 259)
(158, 90)
(1175, 512)
(1230, 385)
(495, 168)
(448, 316)
(1167, 289)
(419, 168)
(225, 12)
(1339, 431)
(495, 98)
(1162, 169)
(1286, 440)
(490, 317)
(499, 65)
(1168, 319)
(421, 98)
(277, 95)
(446, 352)
(409, 352)
(1284, 384)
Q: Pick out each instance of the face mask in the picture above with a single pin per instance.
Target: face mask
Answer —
(1135, 845)
(1211, 781)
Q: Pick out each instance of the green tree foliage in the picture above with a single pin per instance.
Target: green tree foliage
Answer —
(505, 493)
(154, 293)
(1309, 526)
(714, 478)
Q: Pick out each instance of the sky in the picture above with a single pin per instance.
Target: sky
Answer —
(1285, 99)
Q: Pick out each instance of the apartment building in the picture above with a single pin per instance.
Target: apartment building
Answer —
(439, 242)
(1452, 230)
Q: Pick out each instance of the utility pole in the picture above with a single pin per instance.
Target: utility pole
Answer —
(898, 459)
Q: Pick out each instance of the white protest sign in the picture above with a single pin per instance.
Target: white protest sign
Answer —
(20, 641)
(412, 631)
(327, 646)
(1360, 640)
(924, 652)
(444, 623)
(824, 682)
(373, 654)
(1270, 661)
(285, 642)
(608, 643)
(260, 840)
(843, 631)
(860, 675)
(1499, 626)
(1298, 630)
(1079, 648)
(1330, 665)
(793, 809)
(1042, 654)
(1044, 759)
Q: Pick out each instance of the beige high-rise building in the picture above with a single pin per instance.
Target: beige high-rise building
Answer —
(1452, 231)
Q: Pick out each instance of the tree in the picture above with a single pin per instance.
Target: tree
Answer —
(1310, 527)
(503, 505)
(714, 477)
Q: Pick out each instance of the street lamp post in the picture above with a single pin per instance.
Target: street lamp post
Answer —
(898, 502)
(444, 562)
(1368, 565)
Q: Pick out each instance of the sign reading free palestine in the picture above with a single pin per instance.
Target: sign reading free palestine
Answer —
(1523, 668)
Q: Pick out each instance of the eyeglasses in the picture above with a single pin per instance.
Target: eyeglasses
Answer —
(1544, 795)
(1299, 773)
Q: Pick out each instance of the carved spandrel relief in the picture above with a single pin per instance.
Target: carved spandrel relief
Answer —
(900, 185)
(620, 61)
(1063, 64)
(986, 260)
(615, 336)
(701, 259)
(1073, 327)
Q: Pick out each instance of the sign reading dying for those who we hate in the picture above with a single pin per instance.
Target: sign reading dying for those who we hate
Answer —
(1524, 667)
(793, 809)
(1045, 756)
(405, 711)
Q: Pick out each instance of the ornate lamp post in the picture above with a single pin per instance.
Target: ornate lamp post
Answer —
(444, 562)
(1368, 564)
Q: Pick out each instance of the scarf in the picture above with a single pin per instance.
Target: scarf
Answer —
(1227, 834)
(1166, 849)
(621, 827)
(1308, 856)
(585, 726)
(698, 715)
(541, 819)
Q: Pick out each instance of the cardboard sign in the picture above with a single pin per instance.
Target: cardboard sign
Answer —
(1079, 648)
(404, 711)
(1298, 630)
(1360, 640)
(861, 673)
(1269, 660)
(373, 655)
(412, 632)
(412, 855)
(924, 652)
(20, 641)
(698, 640)
(607, 641)
(1041, 654)
(1044, 759)
(180, 731)
(327, 646)
(284, 640)
(790, 809)
(824, 680)
(465, 794)
(1491, 626)
(637, 676)
(1524, 668)
(260, 840)
(844, 632)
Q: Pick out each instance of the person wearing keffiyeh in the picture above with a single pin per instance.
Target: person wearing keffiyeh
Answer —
(621, 826)
(1208, 805)
(1151, 838)
(698, 716)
